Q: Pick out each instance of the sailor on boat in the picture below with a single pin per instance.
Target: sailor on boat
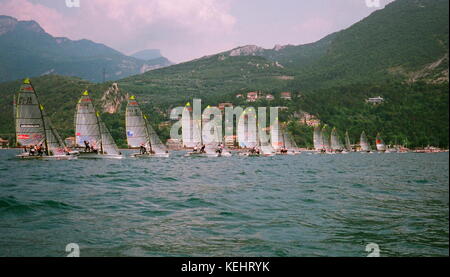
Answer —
(39, 150)
(32, 150)
(87, 146)
(143, 150)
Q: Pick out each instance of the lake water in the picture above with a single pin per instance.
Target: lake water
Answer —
(306, 205)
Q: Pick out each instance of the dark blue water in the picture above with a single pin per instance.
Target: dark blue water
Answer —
(307, 205)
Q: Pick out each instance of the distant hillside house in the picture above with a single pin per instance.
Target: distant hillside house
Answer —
(286, 96)
(70, 141)
(270, 97)
(4, 143)
(239, 96)
(252, 96)
(375, 100)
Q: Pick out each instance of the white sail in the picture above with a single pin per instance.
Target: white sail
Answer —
(108, 146)
(157, 145)
(325, 138)
(335, 141)
(348, 145)
(289, 142)
(318, 140)
(364, 143)
(247, 130)
(210, 135)
(381, 146)
(276, 137)
(135, 125)
(54, 142)
(265, 146)
(90, 128)
(87, 125)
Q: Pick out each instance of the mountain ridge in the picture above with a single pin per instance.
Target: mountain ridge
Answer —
(26, 42)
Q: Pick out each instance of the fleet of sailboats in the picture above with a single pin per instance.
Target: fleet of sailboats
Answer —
(40, 140)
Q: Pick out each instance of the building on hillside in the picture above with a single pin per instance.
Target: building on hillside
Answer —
(252, 96)
(286, 95)
(270, 97)
(70, 142)
(375, 100)
(4, 143)
(239, 96)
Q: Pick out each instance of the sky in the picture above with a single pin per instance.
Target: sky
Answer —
(188, 29)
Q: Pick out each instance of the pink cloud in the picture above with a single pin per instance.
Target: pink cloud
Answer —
(118, 23)
(49, 19)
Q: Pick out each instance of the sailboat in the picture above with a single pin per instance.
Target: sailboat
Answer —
(92, 133)
(34, 129)
(336, 146)
(318, 140)
(381, 146)
(140, 133)
(348, 145)
(364, 143)
(288, 145)
(265, 146)
(326, 140)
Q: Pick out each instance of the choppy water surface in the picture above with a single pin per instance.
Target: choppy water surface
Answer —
(307, 205)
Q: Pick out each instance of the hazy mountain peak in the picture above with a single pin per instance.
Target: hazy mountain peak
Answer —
(7, 24)
(147, 54)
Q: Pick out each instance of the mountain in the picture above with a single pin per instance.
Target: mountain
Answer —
(148, 54)
(27, 50)
(214, 76)
(407, 40)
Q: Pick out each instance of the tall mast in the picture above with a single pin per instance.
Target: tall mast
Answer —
(148, 132)
(41, 110)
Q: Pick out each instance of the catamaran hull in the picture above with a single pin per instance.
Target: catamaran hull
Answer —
(194, 154)
(47, 158)
(94, 156)
(146, 156)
